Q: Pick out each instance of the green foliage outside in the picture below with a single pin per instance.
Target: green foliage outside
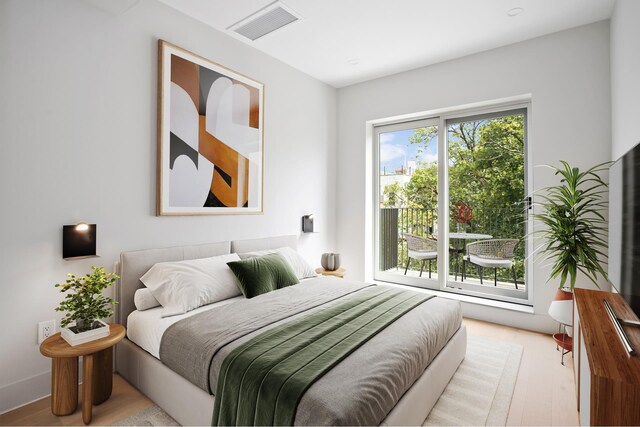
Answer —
(85, 303)
(486, 172)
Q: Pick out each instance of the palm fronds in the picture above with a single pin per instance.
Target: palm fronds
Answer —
(574, 229)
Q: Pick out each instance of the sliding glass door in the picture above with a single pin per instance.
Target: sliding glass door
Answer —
(451, 204)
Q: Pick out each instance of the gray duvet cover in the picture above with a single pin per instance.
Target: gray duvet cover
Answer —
(361, 390)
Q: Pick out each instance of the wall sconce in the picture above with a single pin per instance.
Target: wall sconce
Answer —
(307, 223)
(78, 241)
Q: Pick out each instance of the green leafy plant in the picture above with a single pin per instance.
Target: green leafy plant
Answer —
(575, 228)
(85, 303)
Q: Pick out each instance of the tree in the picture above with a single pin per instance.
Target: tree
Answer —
(422, 188)
(486, 165)
(393, 196)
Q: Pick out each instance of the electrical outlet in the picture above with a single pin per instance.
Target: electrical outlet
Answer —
(46, 329)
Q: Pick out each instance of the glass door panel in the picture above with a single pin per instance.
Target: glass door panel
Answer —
(407, 201)
(487, 189)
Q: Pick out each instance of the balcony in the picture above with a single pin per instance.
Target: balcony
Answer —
(506, 223)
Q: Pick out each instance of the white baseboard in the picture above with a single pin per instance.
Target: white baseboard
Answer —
(23, 392)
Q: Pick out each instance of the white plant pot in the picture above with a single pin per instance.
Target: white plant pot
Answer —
(561, 308)
(74, 338)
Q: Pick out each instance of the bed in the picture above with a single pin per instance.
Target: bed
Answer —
(397, 397)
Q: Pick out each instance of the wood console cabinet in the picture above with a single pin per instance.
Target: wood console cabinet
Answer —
(607, 377)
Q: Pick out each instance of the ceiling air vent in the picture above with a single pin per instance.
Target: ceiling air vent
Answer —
(265, 21)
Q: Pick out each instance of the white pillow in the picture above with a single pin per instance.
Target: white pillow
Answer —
(143, 299)
(300, 267)
(186, 285)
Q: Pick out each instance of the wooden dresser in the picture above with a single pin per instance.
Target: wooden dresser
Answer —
(607, 377)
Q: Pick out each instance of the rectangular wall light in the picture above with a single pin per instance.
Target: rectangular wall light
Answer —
(79, 241)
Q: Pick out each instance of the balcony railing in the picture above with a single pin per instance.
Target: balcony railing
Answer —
(505, 223)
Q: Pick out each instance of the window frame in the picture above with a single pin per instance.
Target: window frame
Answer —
(442, 118)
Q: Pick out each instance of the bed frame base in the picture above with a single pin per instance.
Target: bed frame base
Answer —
(190, 405)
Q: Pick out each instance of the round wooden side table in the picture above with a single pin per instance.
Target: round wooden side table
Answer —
(337, 273)
(97, 362)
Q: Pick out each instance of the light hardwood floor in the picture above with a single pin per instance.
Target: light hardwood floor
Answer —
(124, 402)
(544, 393)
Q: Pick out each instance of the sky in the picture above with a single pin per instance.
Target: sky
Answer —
(396, 150)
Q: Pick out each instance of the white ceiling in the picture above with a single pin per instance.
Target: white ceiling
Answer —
(390, 36)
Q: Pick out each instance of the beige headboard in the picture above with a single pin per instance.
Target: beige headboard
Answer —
(134, 264)
(251, 245)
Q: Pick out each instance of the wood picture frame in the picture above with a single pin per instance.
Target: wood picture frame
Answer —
(210, 137)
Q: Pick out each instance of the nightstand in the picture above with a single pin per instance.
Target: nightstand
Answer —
(337, 273)
(97, 361)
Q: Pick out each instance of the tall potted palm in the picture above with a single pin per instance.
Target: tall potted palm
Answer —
(573, 237)
(574, 232)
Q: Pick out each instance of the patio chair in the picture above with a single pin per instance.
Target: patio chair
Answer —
(422, 249)
(494, 253)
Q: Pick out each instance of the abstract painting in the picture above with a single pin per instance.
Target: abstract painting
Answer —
(210, 137)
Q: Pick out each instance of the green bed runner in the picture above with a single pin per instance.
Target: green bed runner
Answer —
(262, 381)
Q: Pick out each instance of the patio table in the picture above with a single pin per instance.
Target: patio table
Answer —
(469, 236)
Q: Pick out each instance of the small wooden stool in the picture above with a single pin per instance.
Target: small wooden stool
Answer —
(97, 371)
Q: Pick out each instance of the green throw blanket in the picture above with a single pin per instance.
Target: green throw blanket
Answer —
(262, 381)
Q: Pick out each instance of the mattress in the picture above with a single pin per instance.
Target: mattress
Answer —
(145, 328)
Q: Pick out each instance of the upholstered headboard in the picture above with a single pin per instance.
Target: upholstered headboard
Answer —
(134, 264)
(251, 245)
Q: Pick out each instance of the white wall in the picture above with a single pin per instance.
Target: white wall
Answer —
(567, 75)
(78, 120)
(625, 76)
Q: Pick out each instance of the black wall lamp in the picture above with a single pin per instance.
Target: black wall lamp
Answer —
(307, 223)
(79, 241)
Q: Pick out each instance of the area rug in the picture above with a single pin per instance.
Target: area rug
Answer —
(478, 394)
(480, 391)
(153, 416)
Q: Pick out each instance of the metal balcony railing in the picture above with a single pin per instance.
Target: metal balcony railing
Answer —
(504, 223)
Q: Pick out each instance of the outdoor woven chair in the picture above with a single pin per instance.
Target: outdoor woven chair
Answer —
(422, 249)
(495, 253)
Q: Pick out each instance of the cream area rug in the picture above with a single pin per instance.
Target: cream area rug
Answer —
(478, 394)
(480, 391)
(153, 416)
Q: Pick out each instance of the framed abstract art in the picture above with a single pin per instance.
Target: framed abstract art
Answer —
(210, 137)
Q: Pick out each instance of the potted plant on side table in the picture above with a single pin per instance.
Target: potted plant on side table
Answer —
(573, 236)
(85, 306)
